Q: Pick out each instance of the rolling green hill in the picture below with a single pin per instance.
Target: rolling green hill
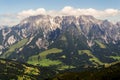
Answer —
(109, 73)
(92, 58)
(11, 70)
(41, 59)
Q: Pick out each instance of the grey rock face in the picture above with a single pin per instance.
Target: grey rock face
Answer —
(45, 26)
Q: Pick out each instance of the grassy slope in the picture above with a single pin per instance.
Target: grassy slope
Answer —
(115, 57)
(50, 51)
(11, 70)
(41, 59)
(101, 45)
(14, 47)
(93, 59)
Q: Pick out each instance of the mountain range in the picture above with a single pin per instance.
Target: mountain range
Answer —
(62, 42)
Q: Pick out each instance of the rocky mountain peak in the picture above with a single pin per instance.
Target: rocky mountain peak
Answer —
(50, 28)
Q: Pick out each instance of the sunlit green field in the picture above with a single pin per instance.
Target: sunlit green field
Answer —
(115, 57)
(41, 59)
(93, 59)
(101, 45)
(12, 48)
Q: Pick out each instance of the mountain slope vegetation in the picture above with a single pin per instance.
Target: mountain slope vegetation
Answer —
(11, 70)
(109, 73)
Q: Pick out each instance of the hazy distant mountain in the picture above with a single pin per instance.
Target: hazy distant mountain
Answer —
(62, 41)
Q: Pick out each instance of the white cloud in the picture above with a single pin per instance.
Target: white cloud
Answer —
(111, 14)
(31, 12)
(9, 19)
(68, 10)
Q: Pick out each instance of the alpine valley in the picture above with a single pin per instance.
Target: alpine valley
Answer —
(62, 43)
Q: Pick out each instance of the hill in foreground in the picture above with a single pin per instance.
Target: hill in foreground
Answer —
(11, 70)
(109, 73)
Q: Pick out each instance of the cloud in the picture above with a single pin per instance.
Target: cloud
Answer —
(96, 13)
(9, 19)
(31, 12)
(68, 10)
(110, 14)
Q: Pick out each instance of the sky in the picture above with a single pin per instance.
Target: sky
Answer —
(13, 11)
